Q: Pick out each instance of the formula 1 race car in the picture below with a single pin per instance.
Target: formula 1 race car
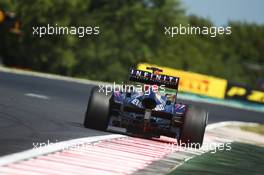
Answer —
(147, 107)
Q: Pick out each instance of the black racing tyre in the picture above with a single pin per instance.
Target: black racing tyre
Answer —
(98, 110)
(193, 129)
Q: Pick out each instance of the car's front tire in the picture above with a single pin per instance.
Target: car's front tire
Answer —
(193, 129)
(98, 110)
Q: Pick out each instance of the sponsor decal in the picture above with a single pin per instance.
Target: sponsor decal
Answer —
(239, 92)
(194, 83)
(148, 75)
(151, 78)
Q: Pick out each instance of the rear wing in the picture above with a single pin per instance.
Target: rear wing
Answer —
(151, 78)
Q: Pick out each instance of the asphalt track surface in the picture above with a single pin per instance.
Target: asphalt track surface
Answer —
(58, 112)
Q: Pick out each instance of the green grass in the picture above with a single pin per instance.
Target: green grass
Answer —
(242, 159)
(257, 129)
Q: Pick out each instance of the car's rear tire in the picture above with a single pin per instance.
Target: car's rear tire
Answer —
(193, 129)
(98, 110)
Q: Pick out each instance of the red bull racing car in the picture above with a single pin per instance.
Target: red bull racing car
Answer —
(147, 106)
